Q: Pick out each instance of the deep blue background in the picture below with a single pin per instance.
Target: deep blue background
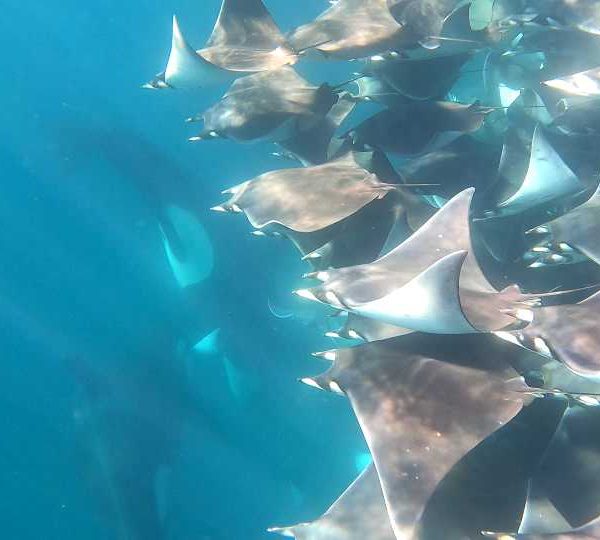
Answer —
(91, 318)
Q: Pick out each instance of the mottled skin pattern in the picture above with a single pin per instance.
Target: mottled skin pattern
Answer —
(349, 29)
(308, 199)
(271, 105)
(571, 332)
(420, 414)
(445, 233)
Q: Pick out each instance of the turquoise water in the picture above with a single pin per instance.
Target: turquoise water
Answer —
(111, 425)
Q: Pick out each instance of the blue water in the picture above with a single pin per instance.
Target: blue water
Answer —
(110, 427)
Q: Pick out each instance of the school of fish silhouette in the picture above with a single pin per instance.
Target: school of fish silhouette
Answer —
(424, 225)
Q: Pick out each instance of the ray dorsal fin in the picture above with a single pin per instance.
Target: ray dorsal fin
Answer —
(445, 233)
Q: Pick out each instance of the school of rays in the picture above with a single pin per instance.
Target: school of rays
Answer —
(455, 233)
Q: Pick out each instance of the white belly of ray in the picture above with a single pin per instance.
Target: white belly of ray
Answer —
(187, 70)
(428, 303)
(199, 257)
(548, 178)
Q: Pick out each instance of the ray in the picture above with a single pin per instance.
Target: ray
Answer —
(423, 402)
(484, 13)
(418, 127)
(580, 228)
(435, 256)
(456, 35)
(185, 68)
(570, 334)
(461, 164)
(315, 146)
(308, 199)
(590, 531)
(359, 513)
(585, 83)
(583, 15)
(348, 29)
(410, 213)
(310, 207)
(429, 302)
(540, 516)
(245, 40)
(271, 106)
(366, 329)
(424, 19)
(531, 107)
(371, 232)
(370, 88)
(548, 178)
(547, 372)
(514, 162)
(243, 22)
(487, 489)
(587, 532)
(563, 502)
(355, 240)
(188, 247)
(577, 116)
(426, 79)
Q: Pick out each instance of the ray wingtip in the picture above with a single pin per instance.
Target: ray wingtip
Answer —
(330, 355)
(282, 531)
(305, 293)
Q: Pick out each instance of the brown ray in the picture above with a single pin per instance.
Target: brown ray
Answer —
(267, 106)
(245, 39)
(580, 227)
(570, 332)
(420, 126)
(308, 199)
(423, 402)
(446, 233)
(349, 29)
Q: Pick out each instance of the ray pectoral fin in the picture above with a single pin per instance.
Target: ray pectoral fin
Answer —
(358, 514)
(562, 494)
(186, 69)
(541, 516)
(547, 179)
(420, 416)
(428, 303)
(187, 246)
(247, 23)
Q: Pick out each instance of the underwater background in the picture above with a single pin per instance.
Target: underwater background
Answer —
(111, 427)
(435, 163)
